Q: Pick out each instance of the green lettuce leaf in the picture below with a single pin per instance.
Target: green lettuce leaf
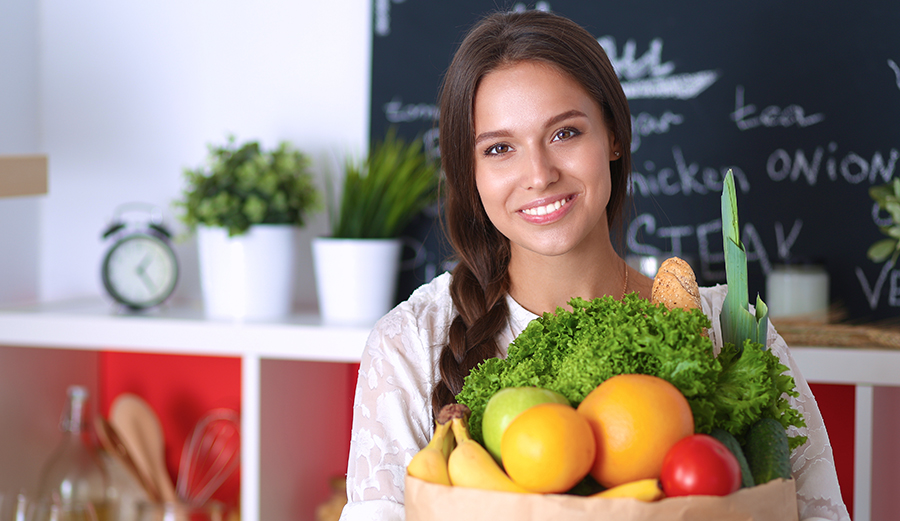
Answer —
(572, 352)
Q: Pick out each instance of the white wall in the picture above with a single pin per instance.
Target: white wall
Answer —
(131, 93)
(19, 216)
(122, 96)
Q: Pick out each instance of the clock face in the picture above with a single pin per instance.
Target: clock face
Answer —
(140, 271)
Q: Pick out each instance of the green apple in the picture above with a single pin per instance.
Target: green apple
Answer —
(505, 405)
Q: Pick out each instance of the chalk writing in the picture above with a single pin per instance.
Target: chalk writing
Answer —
(629, 67)
(784, 243)
(685, 178)
(396, 112)
(648, 77)
(711, 260)
(382, 17)
(520, 7)
(645, 124)
(852, 168)
(707, 93)
(771, 116)
(681, 86)
(873, 294)
(896, 70)
(877, 217)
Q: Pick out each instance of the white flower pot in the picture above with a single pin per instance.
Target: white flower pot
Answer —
(356, 279)
(249, 276)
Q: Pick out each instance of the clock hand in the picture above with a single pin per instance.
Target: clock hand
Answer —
(147, 281)
(142, 267)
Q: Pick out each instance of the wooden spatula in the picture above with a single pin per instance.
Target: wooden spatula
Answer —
(140, 430)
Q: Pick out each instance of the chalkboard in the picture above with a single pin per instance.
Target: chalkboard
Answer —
(800, 99)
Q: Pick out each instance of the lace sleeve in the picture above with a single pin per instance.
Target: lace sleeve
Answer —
(391, 417)
(812, 464)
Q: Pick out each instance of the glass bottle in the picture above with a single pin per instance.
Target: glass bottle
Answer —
(74, 483)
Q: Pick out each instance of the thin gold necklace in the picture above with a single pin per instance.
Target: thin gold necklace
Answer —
(625, 286)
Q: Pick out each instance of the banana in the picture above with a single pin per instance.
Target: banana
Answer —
(430, 463)
(471, 465)
(642, 490)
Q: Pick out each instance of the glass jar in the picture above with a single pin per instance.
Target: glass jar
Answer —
(74, 483)
(798, 291)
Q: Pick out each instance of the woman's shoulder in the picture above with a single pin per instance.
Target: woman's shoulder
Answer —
(430, 300)
(424, 315)
(437, 290)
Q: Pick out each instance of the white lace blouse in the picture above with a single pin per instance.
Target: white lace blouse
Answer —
(392, 417)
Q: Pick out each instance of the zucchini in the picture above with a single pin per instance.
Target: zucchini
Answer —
(731, 442)
(767, 451)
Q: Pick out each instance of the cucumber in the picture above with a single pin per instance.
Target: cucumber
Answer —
(767, 452)
(732, 443)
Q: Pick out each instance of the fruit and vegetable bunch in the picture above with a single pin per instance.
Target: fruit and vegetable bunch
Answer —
(631, 437)
(627, 398)
(572, 352)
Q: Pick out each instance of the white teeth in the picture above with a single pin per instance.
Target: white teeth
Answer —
(544, 210)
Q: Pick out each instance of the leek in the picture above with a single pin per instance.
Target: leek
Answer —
(738, 323)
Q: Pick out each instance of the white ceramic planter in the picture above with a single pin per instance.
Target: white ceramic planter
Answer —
(249, 276)
(356, 279)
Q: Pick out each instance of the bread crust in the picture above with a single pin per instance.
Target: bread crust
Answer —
(675, 285)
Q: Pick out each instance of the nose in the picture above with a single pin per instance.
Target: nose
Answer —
(540, 169)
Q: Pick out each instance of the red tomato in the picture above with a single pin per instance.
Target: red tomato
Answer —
(700, 465)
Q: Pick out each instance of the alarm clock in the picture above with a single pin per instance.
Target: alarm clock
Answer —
(140, 268)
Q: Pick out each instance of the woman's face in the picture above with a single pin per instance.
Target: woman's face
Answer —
(542, 153)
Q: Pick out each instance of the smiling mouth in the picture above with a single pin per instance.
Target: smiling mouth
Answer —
(550, 208)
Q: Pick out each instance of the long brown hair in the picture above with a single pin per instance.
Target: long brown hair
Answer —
(481, 279)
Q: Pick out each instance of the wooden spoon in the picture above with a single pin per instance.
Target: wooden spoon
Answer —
(139, 427)
(113, 444)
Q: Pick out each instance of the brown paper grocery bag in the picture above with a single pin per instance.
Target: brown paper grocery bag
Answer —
(774, 501)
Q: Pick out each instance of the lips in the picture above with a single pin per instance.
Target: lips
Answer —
(543, 211)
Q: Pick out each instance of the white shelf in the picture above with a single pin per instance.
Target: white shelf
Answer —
(97, 325)
(847, 365)
(864, 369)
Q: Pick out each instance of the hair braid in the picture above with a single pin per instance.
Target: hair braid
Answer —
(480, 300)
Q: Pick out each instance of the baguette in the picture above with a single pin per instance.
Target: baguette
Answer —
(675, 285)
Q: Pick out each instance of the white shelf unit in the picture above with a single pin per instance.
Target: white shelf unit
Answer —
(94, 325)
(865, 369)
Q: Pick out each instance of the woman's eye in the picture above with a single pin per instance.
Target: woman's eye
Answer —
(564, 134)
(498, 149)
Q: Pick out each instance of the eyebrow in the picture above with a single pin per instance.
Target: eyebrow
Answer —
(484, 136)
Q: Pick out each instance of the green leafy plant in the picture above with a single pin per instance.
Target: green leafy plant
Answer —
(887, 196)
(243, 185)
(385, 191)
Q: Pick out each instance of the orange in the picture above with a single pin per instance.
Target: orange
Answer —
(636, 418)
(548, 448)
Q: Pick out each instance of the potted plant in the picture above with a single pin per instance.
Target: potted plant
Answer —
(887, 197)
(357, 265)
(245, 204)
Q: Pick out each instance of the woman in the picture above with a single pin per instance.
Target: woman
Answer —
(534, 134)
